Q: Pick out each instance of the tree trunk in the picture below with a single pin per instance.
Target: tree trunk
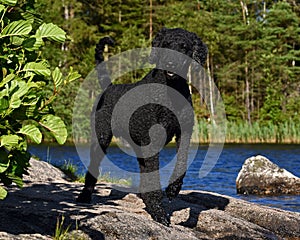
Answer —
(150, 22)
(247, 91)
(211, 97)
(64, 46)
(246, 70)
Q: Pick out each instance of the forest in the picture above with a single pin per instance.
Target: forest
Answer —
(254, 54)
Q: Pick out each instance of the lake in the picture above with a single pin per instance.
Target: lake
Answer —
(221, 178)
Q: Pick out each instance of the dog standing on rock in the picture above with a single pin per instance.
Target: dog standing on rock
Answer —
(144, 131)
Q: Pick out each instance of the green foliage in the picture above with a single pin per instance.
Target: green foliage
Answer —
(25, 107)
(254, 55)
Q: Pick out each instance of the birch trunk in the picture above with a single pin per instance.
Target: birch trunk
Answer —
(246, 70)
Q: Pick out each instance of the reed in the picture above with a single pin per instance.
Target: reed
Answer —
(242, 132)
(257, 132)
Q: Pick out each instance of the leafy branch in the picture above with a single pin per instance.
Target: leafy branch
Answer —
(25, 108)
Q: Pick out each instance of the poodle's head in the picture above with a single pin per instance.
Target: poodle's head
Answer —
(182, 41)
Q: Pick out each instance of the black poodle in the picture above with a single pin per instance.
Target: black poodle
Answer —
(145, 132)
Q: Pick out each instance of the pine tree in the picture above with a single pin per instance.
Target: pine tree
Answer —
(281, 28)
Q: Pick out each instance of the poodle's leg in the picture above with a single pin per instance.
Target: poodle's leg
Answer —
(176, 180)
(150, 189)
(97, 152)
(96, 155)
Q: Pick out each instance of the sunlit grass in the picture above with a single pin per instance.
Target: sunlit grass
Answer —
(61, 232)
(107, 178)
(70, 170)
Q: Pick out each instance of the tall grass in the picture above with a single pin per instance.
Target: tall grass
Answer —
(257, 132)
(265, 132)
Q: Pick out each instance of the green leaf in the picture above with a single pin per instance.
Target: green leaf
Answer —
(21, 159)
(9, 2)
(16, 179)
(31, 99)
(3, 193)
(38, 68)
(4, 167)
(33, 43)
(7, 79)
(4, 104)
(17, 28)
(30, 14)
(16, 40)
(2, 7)
(57, 77)
(9, 141)
(32, 132)
(30, 111)
(15, 101)
(72, 76)
(51, 32)
(4, 161)
(56, 127)
(22, 88)
(19, 89)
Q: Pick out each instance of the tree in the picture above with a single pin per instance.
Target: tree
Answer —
(281, 28)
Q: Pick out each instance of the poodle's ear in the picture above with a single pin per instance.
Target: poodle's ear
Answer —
(200, 51)
(157, 41)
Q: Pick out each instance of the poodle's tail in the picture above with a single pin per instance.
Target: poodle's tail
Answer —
(103, 76)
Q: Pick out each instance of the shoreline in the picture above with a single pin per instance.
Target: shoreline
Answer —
(173, 143)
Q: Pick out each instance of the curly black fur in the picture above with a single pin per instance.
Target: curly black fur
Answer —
(145, 117)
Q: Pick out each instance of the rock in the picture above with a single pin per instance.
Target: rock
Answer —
(4, 235)
(32, 213)
(41, 171)
(262, 177)
(218, 224)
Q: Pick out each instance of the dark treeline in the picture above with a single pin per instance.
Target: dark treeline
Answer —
(254, 53)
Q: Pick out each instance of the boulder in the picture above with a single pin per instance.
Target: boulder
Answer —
(41, 171)
(33, 212)
(260, 176)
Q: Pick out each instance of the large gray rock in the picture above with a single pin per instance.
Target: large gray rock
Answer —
(262, 177)
(41, 171)
(32, 213)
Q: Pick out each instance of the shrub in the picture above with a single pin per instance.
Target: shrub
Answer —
(25, 104)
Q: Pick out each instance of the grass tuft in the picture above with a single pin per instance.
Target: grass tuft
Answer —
(61, 233)
(70, 170)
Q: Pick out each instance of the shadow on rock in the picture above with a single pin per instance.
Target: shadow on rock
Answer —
(186, 208)
(36, 208)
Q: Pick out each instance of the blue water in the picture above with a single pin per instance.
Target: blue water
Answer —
(221, 178)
